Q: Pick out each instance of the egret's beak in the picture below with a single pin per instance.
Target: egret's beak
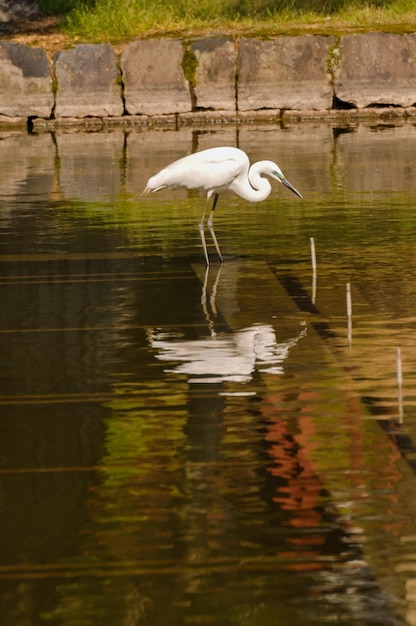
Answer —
(289, 185)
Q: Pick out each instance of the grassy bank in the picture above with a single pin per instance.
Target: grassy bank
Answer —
(116, 20)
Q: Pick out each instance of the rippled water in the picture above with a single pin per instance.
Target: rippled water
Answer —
(227, 447)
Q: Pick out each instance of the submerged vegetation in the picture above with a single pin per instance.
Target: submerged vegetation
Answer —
(115, 20)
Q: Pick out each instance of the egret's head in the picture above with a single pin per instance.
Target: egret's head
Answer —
(273, 171)
(277, 173)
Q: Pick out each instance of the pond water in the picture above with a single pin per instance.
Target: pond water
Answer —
(226, 447)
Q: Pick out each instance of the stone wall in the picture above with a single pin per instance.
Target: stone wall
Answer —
(218, 77)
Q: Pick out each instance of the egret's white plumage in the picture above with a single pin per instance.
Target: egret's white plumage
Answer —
(217, 170)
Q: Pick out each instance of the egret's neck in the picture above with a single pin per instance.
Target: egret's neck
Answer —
(259, 187)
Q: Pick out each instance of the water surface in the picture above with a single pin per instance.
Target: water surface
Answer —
(182, 446)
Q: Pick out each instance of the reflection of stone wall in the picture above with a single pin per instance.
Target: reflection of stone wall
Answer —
(223, 76)
(314, 157)
(317, 159)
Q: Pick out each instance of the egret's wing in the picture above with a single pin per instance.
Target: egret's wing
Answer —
(209, 169)
(212, 174)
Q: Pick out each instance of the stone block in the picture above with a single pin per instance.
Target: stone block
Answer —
(153, 77)
(215, 74)
(87, 82)
(13, 122)
(25, 81)
(377, 68)
(284, 73)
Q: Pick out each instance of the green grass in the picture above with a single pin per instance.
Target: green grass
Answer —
(118, 20)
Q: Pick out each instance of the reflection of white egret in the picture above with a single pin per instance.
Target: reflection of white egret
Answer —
(217, 170)
(223, 358)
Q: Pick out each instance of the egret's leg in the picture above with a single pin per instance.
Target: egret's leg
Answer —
(205, 308)
(201, 232)
(214, 291)
(211, 228)
(204, 294)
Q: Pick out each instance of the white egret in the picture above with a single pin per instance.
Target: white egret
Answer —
(217, 170)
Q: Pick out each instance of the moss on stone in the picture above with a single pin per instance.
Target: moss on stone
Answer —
(189, 66)
(334, 58)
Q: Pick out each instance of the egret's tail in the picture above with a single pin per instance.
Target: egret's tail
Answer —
(146, 191)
